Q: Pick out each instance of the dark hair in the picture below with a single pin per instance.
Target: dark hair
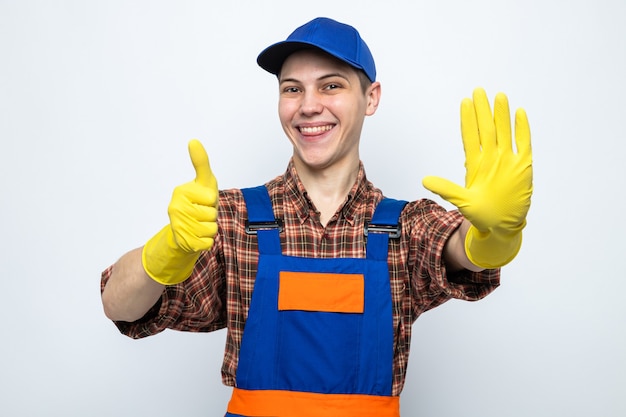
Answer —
(363, 80)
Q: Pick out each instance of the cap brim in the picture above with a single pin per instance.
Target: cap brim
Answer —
(271, 59)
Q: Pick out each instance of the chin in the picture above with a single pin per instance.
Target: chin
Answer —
(315, 162)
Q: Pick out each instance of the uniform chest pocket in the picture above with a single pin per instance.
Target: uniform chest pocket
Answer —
(323, 292)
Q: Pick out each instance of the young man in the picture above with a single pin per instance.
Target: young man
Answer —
(318, 277)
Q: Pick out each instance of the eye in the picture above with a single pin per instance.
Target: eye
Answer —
(291, 90)
(332, 86)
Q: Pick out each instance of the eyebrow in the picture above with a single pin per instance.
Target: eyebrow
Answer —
(323, 77)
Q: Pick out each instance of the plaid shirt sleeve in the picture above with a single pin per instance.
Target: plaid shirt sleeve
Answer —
(429, 227)
(194, 305)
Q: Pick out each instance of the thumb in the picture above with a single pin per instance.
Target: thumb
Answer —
(448, 190)
(200, 161)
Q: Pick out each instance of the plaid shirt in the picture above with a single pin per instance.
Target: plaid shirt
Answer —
(218, 293)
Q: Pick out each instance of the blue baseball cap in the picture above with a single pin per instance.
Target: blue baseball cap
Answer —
(337, 39)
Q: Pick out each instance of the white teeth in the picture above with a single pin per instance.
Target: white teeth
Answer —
(315, 129)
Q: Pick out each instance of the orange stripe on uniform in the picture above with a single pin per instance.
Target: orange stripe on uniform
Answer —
(311, 291)
(276, 403)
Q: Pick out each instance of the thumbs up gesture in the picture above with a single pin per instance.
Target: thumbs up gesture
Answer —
(193, 208)
(169, 257)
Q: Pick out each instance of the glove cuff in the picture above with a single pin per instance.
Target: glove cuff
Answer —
(493, 249)
(164, 261)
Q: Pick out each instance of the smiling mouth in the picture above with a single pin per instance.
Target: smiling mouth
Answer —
(315, 130)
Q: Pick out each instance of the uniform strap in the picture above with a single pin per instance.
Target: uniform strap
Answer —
(261, 220)
(384, 225)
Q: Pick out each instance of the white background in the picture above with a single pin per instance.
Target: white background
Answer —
(99, 98)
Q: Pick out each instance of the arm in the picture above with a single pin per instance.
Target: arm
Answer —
(454, 254)
(130, 292)
(498, 183)
(138, 279)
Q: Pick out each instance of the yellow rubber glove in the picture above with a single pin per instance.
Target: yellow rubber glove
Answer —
(169, 257)
(498, 180)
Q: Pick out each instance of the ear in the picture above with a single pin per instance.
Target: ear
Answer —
(373, 98)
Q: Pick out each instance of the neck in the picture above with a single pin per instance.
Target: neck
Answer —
(328, 188)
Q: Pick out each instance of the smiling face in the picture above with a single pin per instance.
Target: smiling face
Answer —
(322, 107)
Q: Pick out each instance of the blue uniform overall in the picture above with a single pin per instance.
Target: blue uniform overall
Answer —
(318, 340)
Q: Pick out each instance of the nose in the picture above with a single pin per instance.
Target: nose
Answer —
(311, 103)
